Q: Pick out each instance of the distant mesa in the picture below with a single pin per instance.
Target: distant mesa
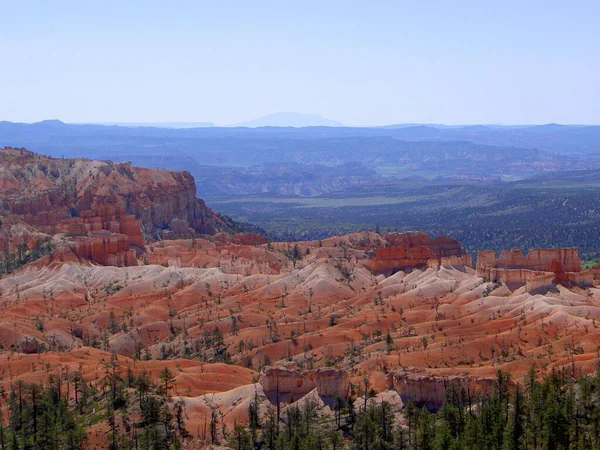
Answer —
(548, 127)
(51, 123)
(290, 119)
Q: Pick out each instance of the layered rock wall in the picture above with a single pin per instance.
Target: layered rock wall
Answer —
(514, 278)
(439, 246)
(108, 250)
(295, 383)
(47, 190)
(430, 391)
(416, 250)
(537, 259)
(541, 268)
(104, 210)
(456, 262)
(585, 278)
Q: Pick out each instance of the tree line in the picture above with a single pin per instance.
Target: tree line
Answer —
(555, 412)
(133, 411)
(12, 260)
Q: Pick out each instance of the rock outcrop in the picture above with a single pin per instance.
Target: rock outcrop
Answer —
(405, 251)
(47, 190)
(456, 262)
(29, 345)
(430, 391)
(540, 269)
(108, 250)
(106, 211)
(292, 384)
(539, 259)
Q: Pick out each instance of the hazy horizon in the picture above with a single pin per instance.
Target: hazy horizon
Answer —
(399, 62)
(208, 124)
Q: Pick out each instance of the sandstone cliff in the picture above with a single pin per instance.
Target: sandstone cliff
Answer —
(292, 384)
(106, 211)
(540, 269)
(416, 250)
(540, 259)
(45, 190)
(430, 391)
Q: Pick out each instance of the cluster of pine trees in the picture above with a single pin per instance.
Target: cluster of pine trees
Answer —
(131, 411)
(554, 412)
(10, 261)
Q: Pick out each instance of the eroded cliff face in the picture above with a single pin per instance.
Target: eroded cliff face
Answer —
(292, 384)
(105, 211)
(539, 259)
(456, 262)
(540, 269)
(47, 190)
(417, 250)
(413, 386)
(430, 391)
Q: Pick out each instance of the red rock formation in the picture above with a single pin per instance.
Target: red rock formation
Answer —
(596, 272)
(295, 383)
(108, 250)
(541, 268)
(430, 391)
(515, 278)
(415, 250)
(310, 309)
(439, 246)
(47, 190)
(240, 238)
(540, 259)
(585, 278)
(104, 209)
(457, 262)
(332, 382)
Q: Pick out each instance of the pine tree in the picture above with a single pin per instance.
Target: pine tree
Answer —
(167, 379)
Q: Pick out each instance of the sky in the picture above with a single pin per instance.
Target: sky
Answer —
(362, 63)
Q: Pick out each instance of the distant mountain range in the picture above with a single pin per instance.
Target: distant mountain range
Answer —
(344, 178)
(158, 124)
(59, 136)
(281, 119)
(290, 119)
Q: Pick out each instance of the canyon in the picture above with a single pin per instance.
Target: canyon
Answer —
(142, 273)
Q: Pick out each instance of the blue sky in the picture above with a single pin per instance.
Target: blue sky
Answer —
(363, 63)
